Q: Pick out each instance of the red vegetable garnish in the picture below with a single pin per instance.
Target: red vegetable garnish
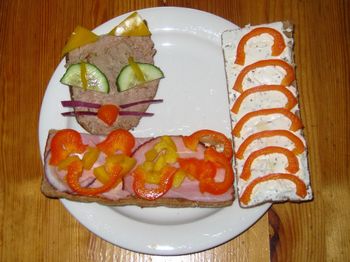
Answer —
(298, 149)
(118, 139)
(64, 143)
(293, 164)
(211, 137)
(108, 113)
(75, 171)
(277, 48)
(300, 185)
(292, 101)
(209, 184)
(287, 80)
(166, 181)
(295, 121)
(204, 170)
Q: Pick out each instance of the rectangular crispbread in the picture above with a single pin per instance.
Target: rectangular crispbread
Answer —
(256, 49)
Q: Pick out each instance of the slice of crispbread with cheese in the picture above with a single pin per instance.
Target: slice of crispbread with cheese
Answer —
(264, 172)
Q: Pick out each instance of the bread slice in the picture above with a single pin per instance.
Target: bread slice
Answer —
(122, 195)
(110, 54)
(271, 188)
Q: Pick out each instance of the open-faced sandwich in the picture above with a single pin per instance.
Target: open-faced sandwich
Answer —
(119, 169)
(270, 150)
(112, 78)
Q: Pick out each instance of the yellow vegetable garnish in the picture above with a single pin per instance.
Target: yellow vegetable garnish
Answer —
(81, 36)
(66, 162)
(90, 157)
(133, 25)
(179, 178)
(136, 69)
(127, 163)
(83, 75)
(101, 174)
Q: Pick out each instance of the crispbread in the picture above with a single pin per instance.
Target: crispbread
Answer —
(268, 191)
(48, 190)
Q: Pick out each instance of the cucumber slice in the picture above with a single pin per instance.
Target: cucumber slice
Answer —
(96, 80)
(127, 78)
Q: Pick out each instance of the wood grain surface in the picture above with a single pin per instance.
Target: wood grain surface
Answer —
(33, 228)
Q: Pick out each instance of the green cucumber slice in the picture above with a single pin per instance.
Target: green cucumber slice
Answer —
(96, 80)
(127, 78)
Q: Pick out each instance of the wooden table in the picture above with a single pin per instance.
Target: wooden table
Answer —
(33, 228)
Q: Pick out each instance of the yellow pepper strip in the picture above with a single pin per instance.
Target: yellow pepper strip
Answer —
(126, 163)
(83, 74)
(81, 36)
(90, 157)
(179, 178)
(133, 25)
(63, 165)
(151, 154)
(101, 174)
(137, 70)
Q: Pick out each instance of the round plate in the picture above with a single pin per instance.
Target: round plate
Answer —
(188, 44)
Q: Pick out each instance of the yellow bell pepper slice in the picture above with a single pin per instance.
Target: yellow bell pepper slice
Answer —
(126, 163)
(179, 178)
(137, 70)
(133, 25)
(101, 174)
(81, 36)
(63, 165)
(90, 157)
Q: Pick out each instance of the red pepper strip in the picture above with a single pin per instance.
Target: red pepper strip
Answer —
(209, 184)
(293, 164)
(211, 137)
(75, 170)
(287, 80)
(108, 113)
(166, 181)
(277, 47)
(292, 101)
(64, 143)
(295, 125)
(197, 168)
(118, 139)
(300, 185)
(298, 149)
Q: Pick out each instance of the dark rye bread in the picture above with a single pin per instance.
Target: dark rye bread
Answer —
(49, 191)
(110, 54)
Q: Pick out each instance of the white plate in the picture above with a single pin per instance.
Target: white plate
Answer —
(194, 91)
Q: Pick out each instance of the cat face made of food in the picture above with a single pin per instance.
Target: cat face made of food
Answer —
(113, 70)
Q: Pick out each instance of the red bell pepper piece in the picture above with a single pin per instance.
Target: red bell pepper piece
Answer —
(204, 170)
(75, 171)
(287, 80)
(197, 168)
(118, 139)
(295, 121)
(211, 137)
(292, 101)
(108, 113)
(209, 184)
(165, 183)
(300, 185)
(64, 143)
(298, 149)
(293, 164)
(277, 47)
